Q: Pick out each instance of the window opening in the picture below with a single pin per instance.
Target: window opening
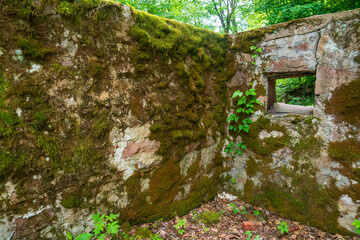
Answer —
(294, 94)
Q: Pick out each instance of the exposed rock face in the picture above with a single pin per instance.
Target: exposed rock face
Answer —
(99, 112)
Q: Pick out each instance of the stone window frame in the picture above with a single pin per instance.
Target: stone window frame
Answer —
(270, 84)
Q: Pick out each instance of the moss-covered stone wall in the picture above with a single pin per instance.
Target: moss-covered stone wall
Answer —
(100, 107)
(106, 108)
(303, 167)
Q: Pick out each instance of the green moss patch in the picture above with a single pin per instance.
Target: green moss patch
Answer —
(265, 146)
(344, 104)
(34, 49)
(210, 217)
(71, 201)
(346, 152)
(304, 202)
(245, 40)
(143, 233)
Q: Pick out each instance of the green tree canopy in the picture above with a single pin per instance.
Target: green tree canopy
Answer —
(230, 16)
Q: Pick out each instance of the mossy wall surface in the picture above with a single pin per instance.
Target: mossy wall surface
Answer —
(75, 79)
(303, 167)
(106, 108)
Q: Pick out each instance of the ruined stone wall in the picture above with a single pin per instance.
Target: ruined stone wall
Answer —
(107, 109)
(304, 167)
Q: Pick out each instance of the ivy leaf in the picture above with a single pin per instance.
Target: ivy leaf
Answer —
(254, 56)
(237, 94)
(251, 92)
(237, 118)
(247, 120)
(252, 48)
(249, 105)
(241, 101)
(243, 146)
(231, 117)
(246, 128)
(240, 152)
(258, 50)
(241, 127)
(253, 63)
(239, 110)
(231, 127)
(258, 101)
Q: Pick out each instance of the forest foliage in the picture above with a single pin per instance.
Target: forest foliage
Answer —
(230, 16)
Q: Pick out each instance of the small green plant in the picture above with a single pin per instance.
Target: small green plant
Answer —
(105, 226)
(180, 226)
(195, 215)
(244, 210)
(283, 227)
(256, 212)
(206, 229)
(356, 223)
(257, 237)
(245, 103)
(156, 222)
(249, 234)
(235, 209)
(155, 237)
(233, 180)
(254, 56)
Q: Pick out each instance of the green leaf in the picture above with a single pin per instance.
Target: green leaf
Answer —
(231, 117)
(239, 110)
(252, 48)
(258, 101)
(258, 50)
(96, 217)
(69, 236)
(237, 118)
(84, 236)
(241, 101)
(231, 127)
(253, 63)
(237, 93)
(243, 146)
(101, 237)
(246, 128)
(247, 120)
(254, 56)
